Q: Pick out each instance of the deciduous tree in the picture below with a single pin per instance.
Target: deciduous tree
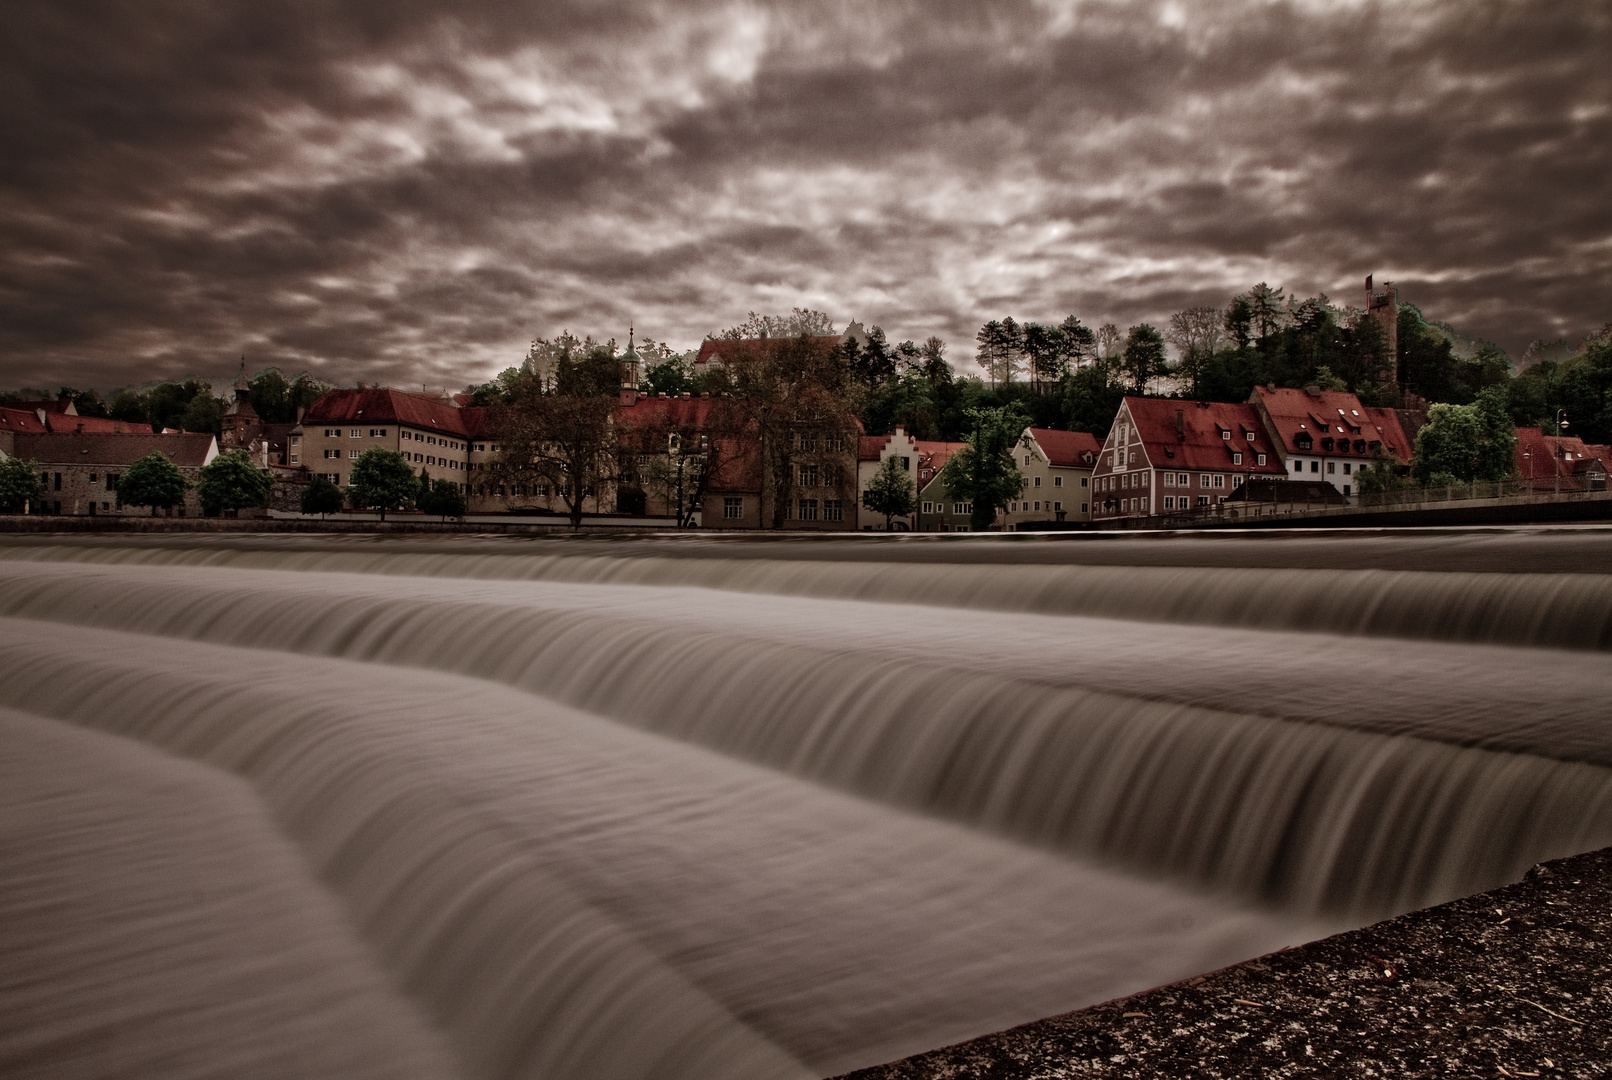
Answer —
(890, 492)
(558, 431)
(984, 472)
(153, 481)
(383, 480)
(20, 486)
(233, 481)
(321, 497)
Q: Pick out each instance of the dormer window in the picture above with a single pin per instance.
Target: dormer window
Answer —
(1302, 441)
(1326, 445)
(1224, 434)
(1249, 435)
(1236, 458)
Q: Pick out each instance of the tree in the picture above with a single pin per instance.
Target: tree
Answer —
(1079, 342)
(270, 395)
(153, 481)
(1467, 442)
(204, 413)
(1091, 398)
(20, 485)
(1143, 357)
(983, 472)
(382, 479)
(233, 481)
(1265, 309)
(321, 497)
(559, 431)
(777, 393)
(890, 492)
(441, 497)
(1196, 334)
(1108, 341)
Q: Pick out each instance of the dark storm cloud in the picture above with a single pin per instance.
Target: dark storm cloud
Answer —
(411, 191)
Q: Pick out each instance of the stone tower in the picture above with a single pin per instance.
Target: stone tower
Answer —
(1383, 305)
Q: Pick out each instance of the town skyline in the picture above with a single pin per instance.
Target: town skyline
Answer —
(409, 196)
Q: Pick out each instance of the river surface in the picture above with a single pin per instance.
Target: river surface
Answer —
(355, 806)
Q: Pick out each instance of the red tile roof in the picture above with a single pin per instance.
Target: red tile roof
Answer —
(23, 421)
(188, 450)
(1066, 447)
(1200, 445)
(1545, 457)
(386, 406)
(932, 457)
(1330, 414)
(96, 425)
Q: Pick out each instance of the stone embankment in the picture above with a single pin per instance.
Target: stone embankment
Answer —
(1514, 982)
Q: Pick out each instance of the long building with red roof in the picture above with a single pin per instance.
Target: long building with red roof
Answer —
(1329, 435)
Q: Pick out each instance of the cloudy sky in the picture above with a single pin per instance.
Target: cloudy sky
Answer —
(409, 191)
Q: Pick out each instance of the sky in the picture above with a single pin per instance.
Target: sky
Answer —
(408, 192)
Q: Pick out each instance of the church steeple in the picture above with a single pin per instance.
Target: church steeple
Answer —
(630, 364)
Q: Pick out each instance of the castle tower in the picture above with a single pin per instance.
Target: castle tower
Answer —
(1383, 306)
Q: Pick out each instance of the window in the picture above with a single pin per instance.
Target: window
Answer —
(1083, 481)
(1224, 434)
(1236, 459)
(1298, 466)
(1082, 508)
(833, 510)
(1332, 466)
(1260, 458)
(351, 453)
(1315, 466)
(1249, 435)
(1203, 480)
(376, 433)
(929, 507)
(808, 510)
(1057, 506)
(732, 506)
(1203, 500)
(808, 476)
(1182, 480)
(906, 463)
(1057, 481)
(962, 508)
(1037, 482)
(1038, 504)
(1169, 502)
(1220, 481)
(355, 433)
(295, 458)
(1169, 479)
(481, 446)
(1026, 461)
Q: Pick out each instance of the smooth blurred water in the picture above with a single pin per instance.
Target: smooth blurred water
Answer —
(653, 810)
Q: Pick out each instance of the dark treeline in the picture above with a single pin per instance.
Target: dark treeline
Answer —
(188, 405)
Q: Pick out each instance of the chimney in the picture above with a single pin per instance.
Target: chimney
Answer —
(1313, 390)
(1181, 424)
(300, 410)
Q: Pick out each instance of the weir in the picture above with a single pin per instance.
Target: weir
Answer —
(661, 813)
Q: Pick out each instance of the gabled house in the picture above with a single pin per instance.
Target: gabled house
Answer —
(1328, 434)
(80, 470)
(1057, 468)
(1166, 456)
(937, 511)
(1560, 463)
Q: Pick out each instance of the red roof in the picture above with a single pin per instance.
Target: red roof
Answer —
(1066, 447)
(25, 421)
(672, 412)
(190, 450)
(96, 425)
(1334, 415)
(1201, 444)
(1544, 457)
(932, 457)
(387, 406)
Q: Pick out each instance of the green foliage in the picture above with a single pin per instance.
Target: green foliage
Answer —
(1385, 473)
(443, 498)
(204, 413)
(321, 497)
(890, 492)
(153, 481)
(20, 485)
(1467, 442)
(130, 407)
(984, 472)
(501, 390)
(670, 376)
(1143, 357)
(382, 479)
(1091, 398)
(166, 402)
(233, 481)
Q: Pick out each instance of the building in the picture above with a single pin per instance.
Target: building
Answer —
(1560, 463)
(1327, 434)
(1270, 498)
(1057, 468)
(1166, 456)
(937, 510)
(80, 469)
(433, 435)
(921, 459)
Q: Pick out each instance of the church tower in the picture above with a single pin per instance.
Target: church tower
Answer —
(630, 371)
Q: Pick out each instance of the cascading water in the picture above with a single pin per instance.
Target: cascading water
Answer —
(561, 809)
